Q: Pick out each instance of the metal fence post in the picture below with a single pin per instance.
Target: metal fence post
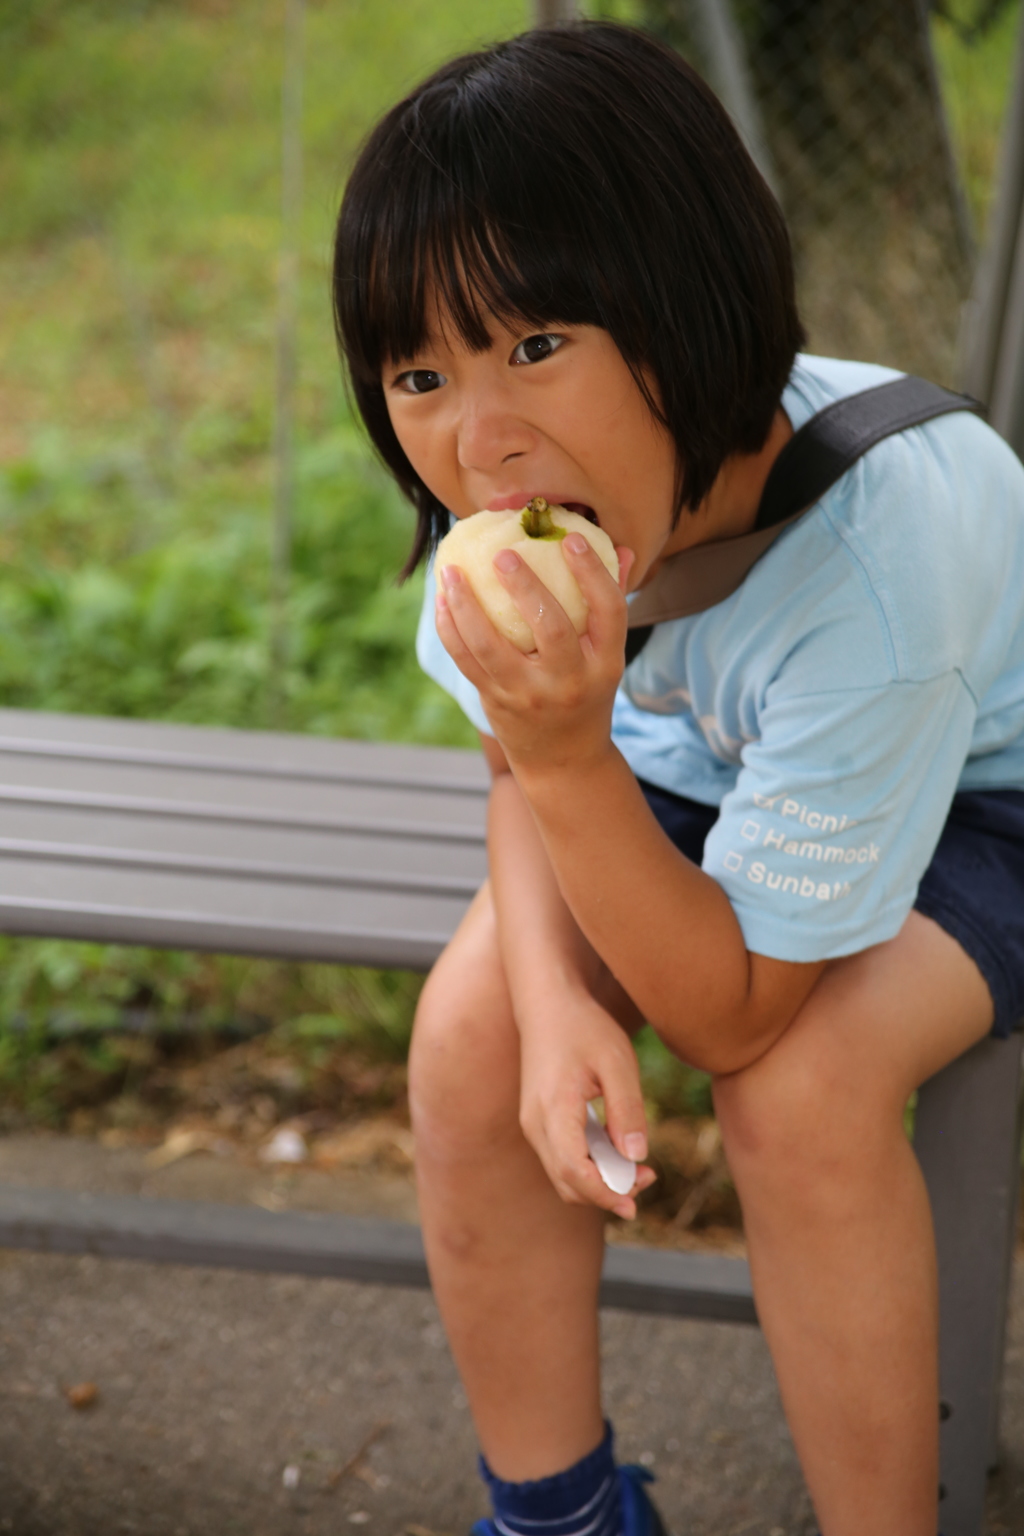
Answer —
(967, 1137)
(719, 40)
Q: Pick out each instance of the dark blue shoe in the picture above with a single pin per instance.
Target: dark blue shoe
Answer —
(640, 1516)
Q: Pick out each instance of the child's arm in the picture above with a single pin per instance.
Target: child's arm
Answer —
(664, 928)
(573, 1050)
(663, 925)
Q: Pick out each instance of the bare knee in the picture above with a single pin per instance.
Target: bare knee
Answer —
(812, 1119)
(816, 1125)
(464, 1058)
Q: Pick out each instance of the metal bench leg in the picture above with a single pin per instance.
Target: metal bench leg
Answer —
(967, 1136)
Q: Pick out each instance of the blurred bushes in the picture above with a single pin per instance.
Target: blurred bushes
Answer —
(100, 614)
(139, 178)
(93, 1034)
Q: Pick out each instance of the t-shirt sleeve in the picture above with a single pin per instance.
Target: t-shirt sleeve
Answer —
(436, 662)
(836, 812)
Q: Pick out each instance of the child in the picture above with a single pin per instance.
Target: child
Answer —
(558, 273)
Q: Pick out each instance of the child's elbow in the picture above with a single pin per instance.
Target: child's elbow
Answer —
(777, 992)
(726, 1051)
(733, 1032)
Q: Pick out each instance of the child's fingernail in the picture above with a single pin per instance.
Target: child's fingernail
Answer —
(636, 1146)
(450, 577)
(576, 544)
(506, 560)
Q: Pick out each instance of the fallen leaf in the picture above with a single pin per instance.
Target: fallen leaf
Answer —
(180, 1142)
(116, 1136)
(270, 1200)
(376, 1143)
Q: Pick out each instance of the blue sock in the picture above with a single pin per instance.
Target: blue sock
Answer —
(584, 1500)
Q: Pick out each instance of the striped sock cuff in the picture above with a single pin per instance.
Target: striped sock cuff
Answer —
(584, 1500)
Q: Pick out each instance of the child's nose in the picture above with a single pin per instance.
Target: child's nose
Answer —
(490, 435)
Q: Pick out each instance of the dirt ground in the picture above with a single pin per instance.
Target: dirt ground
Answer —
(216, 1404)
(308, 1113)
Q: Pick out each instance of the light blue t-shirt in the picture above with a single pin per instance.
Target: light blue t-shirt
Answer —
(870, 665)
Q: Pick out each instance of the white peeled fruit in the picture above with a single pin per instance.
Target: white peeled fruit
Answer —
(617, 1171)
(535, 532)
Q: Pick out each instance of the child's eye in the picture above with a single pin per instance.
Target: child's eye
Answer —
(536, 348)
(420, 381)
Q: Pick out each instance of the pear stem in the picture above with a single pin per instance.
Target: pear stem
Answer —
(537, 523)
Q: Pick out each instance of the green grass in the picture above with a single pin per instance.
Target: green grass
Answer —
(139, 178)
(62, 1060)
(139, 174)
(975, 78)
(95, 617)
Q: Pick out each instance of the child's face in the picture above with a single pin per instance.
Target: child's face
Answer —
(554, 414)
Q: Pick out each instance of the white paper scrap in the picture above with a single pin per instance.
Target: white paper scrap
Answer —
(287, 1145)
(616, 1171)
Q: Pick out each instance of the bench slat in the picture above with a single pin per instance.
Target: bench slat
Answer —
(228, 812)
(123, 831)
(343, 1247)
(387, 947)
(195, 762)
(247, 869)
(212, 748)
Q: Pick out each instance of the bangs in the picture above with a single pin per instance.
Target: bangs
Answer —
(442, 272)
(468, 221)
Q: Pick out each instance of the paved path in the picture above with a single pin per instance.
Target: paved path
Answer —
(212, 1384)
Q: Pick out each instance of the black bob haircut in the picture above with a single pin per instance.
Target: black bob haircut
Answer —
(582, 175)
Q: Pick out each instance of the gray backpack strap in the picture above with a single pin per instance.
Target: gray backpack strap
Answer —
(825, 447)
(816, 456)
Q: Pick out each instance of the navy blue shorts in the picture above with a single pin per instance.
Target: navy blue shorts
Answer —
(973, 887)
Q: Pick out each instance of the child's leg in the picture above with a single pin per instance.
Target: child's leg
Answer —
(515, 1271)
(838, 1223)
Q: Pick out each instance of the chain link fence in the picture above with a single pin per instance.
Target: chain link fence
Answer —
(841, 105)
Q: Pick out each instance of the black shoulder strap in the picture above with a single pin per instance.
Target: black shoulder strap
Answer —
(824, 448)
(817, 455)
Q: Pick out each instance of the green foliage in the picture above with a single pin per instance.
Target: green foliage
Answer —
(372, 1008)
(975, 68)
(177, 628)
(139, 173)
(669, 1086)
(59, 1001)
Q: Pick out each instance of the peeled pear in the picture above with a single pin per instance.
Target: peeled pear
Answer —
(535, 533)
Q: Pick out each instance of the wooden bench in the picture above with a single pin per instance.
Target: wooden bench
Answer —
(136, 833)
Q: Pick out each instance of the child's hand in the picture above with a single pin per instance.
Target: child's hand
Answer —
(554, 705)
(574, 1055)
